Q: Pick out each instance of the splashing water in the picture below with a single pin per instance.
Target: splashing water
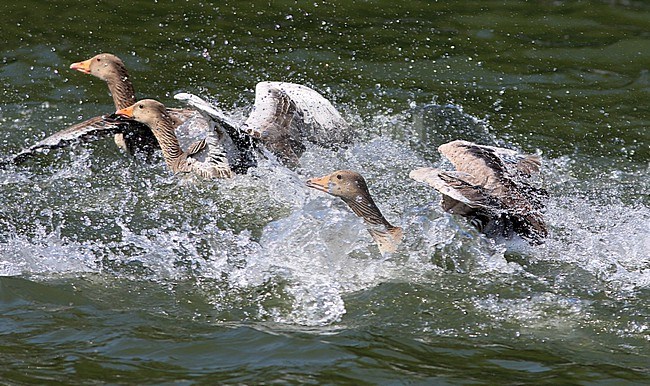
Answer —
(266, 243)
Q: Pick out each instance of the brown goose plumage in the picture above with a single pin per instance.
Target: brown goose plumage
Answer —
(133, 137)
(207, 158)
(490, 188)
(351, 187)
(136, 137)
(111, 70)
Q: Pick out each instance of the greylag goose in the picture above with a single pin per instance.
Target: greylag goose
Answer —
(351, 187)
(283, 116)
(489, 188)
(207, 158)
(130, 136)
(112, 70)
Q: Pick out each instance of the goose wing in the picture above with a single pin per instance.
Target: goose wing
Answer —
(93, 128)
(322, 122)
(208, 157)
(285, 114)
(211, 161)
(456, 188)
(519, 213)
(237, 145)
(524, 165)
(489, 162)
(504, 173)
(277, 122)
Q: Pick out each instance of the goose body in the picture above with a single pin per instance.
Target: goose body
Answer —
(283, 116)
(351, 187)
(133, 137)
(207, 158)
(490, 188)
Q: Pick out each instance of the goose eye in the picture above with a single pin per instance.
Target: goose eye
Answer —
(99, 60)
(338, 177)
(141, 106)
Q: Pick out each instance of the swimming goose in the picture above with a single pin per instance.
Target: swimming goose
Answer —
(208, 158)
(489, 187)
(130, 136)
(283, 116)
(351, 187)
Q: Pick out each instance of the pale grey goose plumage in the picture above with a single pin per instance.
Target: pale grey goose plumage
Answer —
(284, 115)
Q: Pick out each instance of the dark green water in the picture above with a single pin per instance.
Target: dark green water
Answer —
(114, 271)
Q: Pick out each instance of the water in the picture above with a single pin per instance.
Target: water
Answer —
(114, 271)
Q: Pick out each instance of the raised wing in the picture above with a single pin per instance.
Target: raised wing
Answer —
(323, 124)
(276, 121)
(286, 114)
(238, 145)
(488, 162)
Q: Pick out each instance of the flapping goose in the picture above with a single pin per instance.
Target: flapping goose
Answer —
(283, 116)
(351, 187)
(130, 136)
(208, 158)
(489, 187)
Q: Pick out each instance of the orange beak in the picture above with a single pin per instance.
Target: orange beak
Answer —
(320, 183)
(82, 66)
(126, 112)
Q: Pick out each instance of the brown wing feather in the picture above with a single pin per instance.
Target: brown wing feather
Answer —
(278, 127)
(93, 128)
(488, 187)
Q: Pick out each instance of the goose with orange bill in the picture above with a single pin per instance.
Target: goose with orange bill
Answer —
(352, 188)
(130, 136)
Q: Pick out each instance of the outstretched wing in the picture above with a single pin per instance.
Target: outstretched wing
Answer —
(456, 188)
(239, 147)
(93, 128)
(323, 124)
(286, 114)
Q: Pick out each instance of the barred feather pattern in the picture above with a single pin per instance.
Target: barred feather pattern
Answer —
(214, 166)
(491, 188)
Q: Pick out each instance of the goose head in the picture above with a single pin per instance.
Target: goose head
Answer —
(106, 67)
(150, 112)
(345, 184)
